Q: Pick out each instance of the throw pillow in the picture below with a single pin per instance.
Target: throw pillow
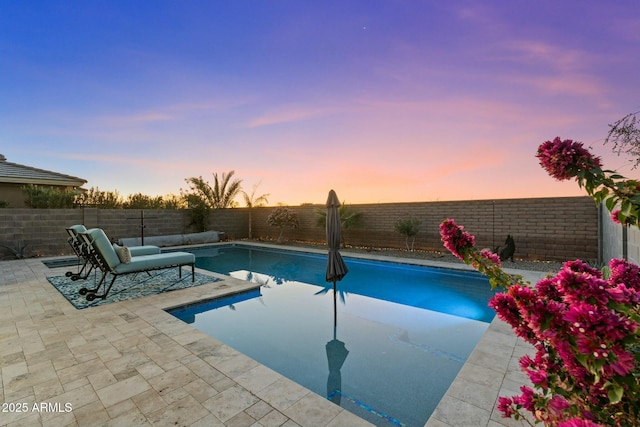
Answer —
(123, 253)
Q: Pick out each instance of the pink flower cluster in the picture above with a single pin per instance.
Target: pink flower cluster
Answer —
(575, 422)
(490, 256)
(564, 159)
(455, 239)
(615, 217)
(580, 325)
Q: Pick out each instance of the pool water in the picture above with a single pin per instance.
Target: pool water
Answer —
(386, 346)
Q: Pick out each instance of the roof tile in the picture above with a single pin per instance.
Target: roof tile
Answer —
(21, 174)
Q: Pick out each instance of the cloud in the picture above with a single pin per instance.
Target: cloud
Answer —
(540, 54)
(566, 84)
(627, 28)
(552, 69)
(177, 111)
(289, 114)
(117, 161)
(136, 119)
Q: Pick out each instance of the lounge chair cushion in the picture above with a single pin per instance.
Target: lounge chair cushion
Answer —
(78, 228)
(150, 262)
(138, 263)
(103, 245)
(143, 250)
(123, 252)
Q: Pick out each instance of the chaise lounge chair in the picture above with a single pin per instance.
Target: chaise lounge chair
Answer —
(82, 250)
(105, 258)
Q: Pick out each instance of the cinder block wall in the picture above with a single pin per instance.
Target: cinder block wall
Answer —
(544, 228)
(39, 229)
(44, 230)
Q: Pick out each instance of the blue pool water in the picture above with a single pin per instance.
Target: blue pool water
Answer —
(395, 342)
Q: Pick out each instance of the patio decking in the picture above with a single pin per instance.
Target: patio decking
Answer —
(132, 364)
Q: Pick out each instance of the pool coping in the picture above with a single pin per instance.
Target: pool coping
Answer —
(34, 311)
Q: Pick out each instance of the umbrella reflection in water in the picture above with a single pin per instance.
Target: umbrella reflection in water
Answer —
(336, 270)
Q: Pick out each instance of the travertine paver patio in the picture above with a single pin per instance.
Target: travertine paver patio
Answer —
(132, 364)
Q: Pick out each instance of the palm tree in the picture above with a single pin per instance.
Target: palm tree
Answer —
(348, 218)
(223, 192)
(203, 197)
(252, 201)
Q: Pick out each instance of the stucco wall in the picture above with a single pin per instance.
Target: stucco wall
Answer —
(610, 237)
(618, 241)
(12, 193)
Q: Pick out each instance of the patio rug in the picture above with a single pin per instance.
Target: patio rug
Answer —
(128, 287)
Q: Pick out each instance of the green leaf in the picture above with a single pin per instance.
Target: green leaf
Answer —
(611, 203)
(601, 194)
(615, 393)
(582, 358)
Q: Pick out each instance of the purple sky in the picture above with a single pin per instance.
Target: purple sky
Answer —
(380, 100)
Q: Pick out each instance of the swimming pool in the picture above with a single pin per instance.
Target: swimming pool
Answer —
(395, 342)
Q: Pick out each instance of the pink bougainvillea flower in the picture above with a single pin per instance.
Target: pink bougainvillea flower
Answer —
(578, 423)
(455, 239)
(505, 405)
(547, 289)
(491, 256)
(619, 219)
(583, 327)
(579, 266)
(557, 404)
(614, 216)
(625, 362)
(538, 378)
(625, 272)
(507, 310)
(623, 295)
(526, 399)
(564, 159)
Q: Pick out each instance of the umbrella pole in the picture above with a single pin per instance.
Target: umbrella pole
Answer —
(335, 311)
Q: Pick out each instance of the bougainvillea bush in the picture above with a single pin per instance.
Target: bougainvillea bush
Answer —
(583, 326)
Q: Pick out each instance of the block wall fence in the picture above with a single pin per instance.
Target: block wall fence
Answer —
(557, 228)
(543, 228)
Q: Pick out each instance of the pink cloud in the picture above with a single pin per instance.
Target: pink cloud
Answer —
(567, 84)
(538, 53)
(137, 161)
(288, 114)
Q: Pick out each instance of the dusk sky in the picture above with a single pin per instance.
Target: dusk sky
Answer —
(382, 101)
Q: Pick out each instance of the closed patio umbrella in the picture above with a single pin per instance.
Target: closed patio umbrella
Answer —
(336, 270)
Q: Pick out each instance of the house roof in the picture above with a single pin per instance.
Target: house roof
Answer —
(21, 174)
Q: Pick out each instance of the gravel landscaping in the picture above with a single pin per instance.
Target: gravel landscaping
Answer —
(546, 266)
